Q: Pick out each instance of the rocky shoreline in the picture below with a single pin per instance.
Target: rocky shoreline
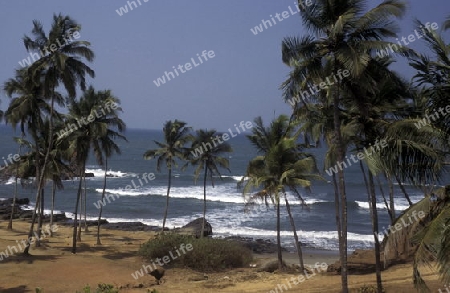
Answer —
(258, 246)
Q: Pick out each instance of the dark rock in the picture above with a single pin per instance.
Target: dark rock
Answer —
(28, 214)
(132, 226)
(358, 263)
(194, 228)
(271, 266)
(88, 175)
(69, 222)
(19, 201)
(256, 245)
(6, 207)
(59, 217)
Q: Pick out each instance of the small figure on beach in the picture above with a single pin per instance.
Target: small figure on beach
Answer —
(158, 274)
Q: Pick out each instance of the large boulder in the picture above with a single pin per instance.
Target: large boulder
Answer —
(194, 228)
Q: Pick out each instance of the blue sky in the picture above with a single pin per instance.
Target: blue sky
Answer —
(241, 82)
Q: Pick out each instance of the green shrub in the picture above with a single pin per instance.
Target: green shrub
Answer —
(163, 245)
(101, 288)
(207, 254)
(369, 289)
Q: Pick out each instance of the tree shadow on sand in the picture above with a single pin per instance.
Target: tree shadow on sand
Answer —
(83, 247)
(119, 255)
(21, 258)
(19, 289)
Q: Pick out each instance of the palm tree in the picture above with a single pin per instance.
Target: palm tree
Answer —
(100, 110)
(26, 109)
(206, 155)
(62, 66)
(104, 145)
(344, 37)
(280, 167)
(429, 234)
(175, 137)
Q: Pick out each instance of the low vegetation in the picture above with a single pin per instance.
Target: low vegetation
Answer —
(369, 289)
(207, 254)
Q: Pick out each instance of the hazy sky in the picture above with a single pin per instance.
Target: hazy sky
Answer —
(239, 83)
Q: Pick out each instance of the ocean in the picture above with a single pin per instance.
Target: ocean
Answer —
(145, 201)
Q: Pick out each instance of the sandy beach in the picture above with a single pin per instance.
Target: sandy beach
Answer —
(55, 269)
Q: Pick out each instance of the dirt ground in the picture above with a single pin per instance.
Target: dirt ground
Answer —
(55, 269)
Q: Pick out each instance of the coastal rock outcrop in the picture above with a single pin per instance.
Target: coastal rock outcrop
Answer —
(194, 228)
(21, 213)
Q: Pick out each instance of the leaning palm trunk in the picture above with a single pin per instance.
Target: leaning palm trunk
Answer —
(403, 190)
(15, 194)
(297, 244)
(370, 185)
(341, 187)
(279, 253)
(167, 201)
(374, 213)
(101, 206)
(13, 205)
(38, 197)
(53, 207)
(83, 200)
(391, 216)
(204, 201)
(391, 198)
(40, 219)
(75, 218)
(41, 173)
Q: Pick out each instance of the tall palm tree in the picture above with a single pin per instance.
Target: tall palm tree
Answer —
(206, 155)
(432, 235)
(26, 110)
(281, 167)
(104, 145)
(100, 111)
(343, 37)
(176, 135)
(62, 65)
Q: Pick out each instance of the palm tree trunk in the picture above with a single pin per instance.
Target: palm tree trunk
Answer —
(391, 198)
(403, 190)
(83, 200)
(40, 177)
(340, 153)
(384, 200)
(53, 207)
(280, 255)
(86, 228)
(370, 185)
(40, 219)
(38, 198)
(81, 213)
(337, 211)
(15, 194)
(75, 218)
(375, 232)
(297, 243)
(204, 201)
(101, 206)
(167, 201)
